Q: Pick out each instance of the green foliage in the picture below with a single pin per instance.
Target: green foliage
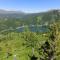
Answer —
(20, 44)
(45, 46)
(49, 47)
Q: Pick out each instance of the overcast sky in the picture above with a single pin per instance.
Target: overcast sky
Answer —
(30, 6)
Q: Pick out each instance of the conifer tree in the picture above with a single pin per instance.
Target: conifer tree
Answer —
(49, 47)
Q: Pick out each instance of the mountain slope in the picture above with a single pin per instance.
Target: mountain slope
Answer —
(13, 14)
(14, 19)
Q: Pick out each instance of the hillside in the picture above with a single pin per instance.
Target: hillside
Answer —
(12, 14)
(30, 45)
(14, 19)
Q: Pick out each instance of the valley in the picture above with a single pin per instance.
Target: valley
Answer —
(29, 36)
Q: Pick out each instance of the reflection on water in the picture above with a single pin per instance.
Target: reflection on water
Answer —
(34, 29)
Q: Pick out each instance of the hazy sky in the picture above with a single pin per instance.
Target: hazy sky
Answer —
(30, 5)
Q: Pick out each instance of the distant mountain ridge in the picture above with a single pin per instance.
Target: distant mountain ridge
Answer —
(12, 14)
(7, 11)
